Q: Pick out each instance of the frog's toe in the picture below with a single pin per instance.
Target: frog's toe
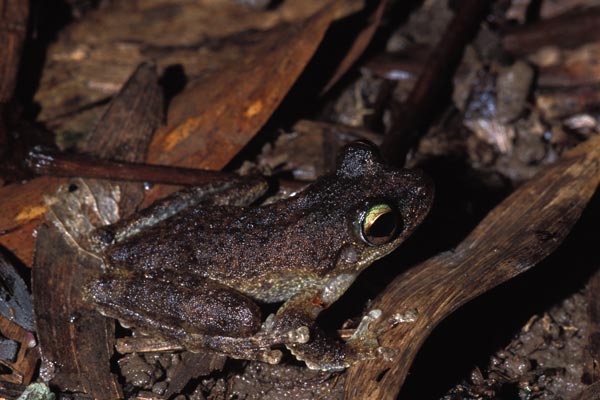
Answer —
(299, 335)
(270, 356)
(364, 331)
(270, 335)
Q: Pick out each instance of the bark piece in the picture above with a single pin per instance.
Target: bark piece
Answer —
(521, 231)
(577, 67)
(17, 341)
(555, 104)
(591, 393)
(192, 365)
(10, 391)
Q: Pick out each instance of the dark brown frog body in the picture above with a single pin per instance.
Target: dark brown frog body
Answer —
(194, 276)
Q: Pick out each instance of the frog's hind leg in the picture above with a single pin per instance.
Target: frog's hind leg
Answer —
(197, 313)
(236, 192)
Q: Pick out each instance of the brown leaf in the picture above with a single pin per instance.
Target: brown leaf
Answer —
(75, 341)
(13, 27)
(215, 117)
(23, 207)
(93, 57)
(515, 236)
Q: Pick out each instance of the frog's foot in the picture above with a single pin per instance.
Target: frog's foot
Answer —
(363, 331)
(364, 343)
(326, 354)
(256, 347)
(269, 338)
(269, 333)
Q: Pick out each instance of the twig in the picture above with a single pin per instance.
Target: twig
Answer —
(414, 114)
(60, 164)
(568, 30)
(145, 345)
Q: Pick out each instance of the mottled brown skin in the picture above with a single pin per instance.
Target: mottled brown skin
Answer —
(195, 276)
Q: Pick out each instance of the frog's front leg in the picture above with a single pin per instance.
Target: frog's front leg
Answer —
(323, 352)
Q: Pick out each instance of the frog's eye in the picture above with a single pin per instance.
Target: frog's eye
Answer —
(379, 224)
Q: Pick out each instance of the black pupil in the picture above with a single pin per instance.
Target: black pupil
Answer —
(383, 226)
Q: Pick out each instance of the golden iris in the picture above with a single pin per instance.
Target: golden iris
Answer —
(379, 224)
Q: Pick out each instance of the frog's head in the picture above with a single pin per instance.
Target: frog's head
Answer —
(383, 205)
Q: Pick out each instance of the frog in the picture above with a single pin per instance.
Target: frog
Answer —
(197, 267)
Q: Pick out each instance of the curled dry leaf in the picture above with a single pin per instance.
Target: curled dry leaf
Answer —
(515, 236)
